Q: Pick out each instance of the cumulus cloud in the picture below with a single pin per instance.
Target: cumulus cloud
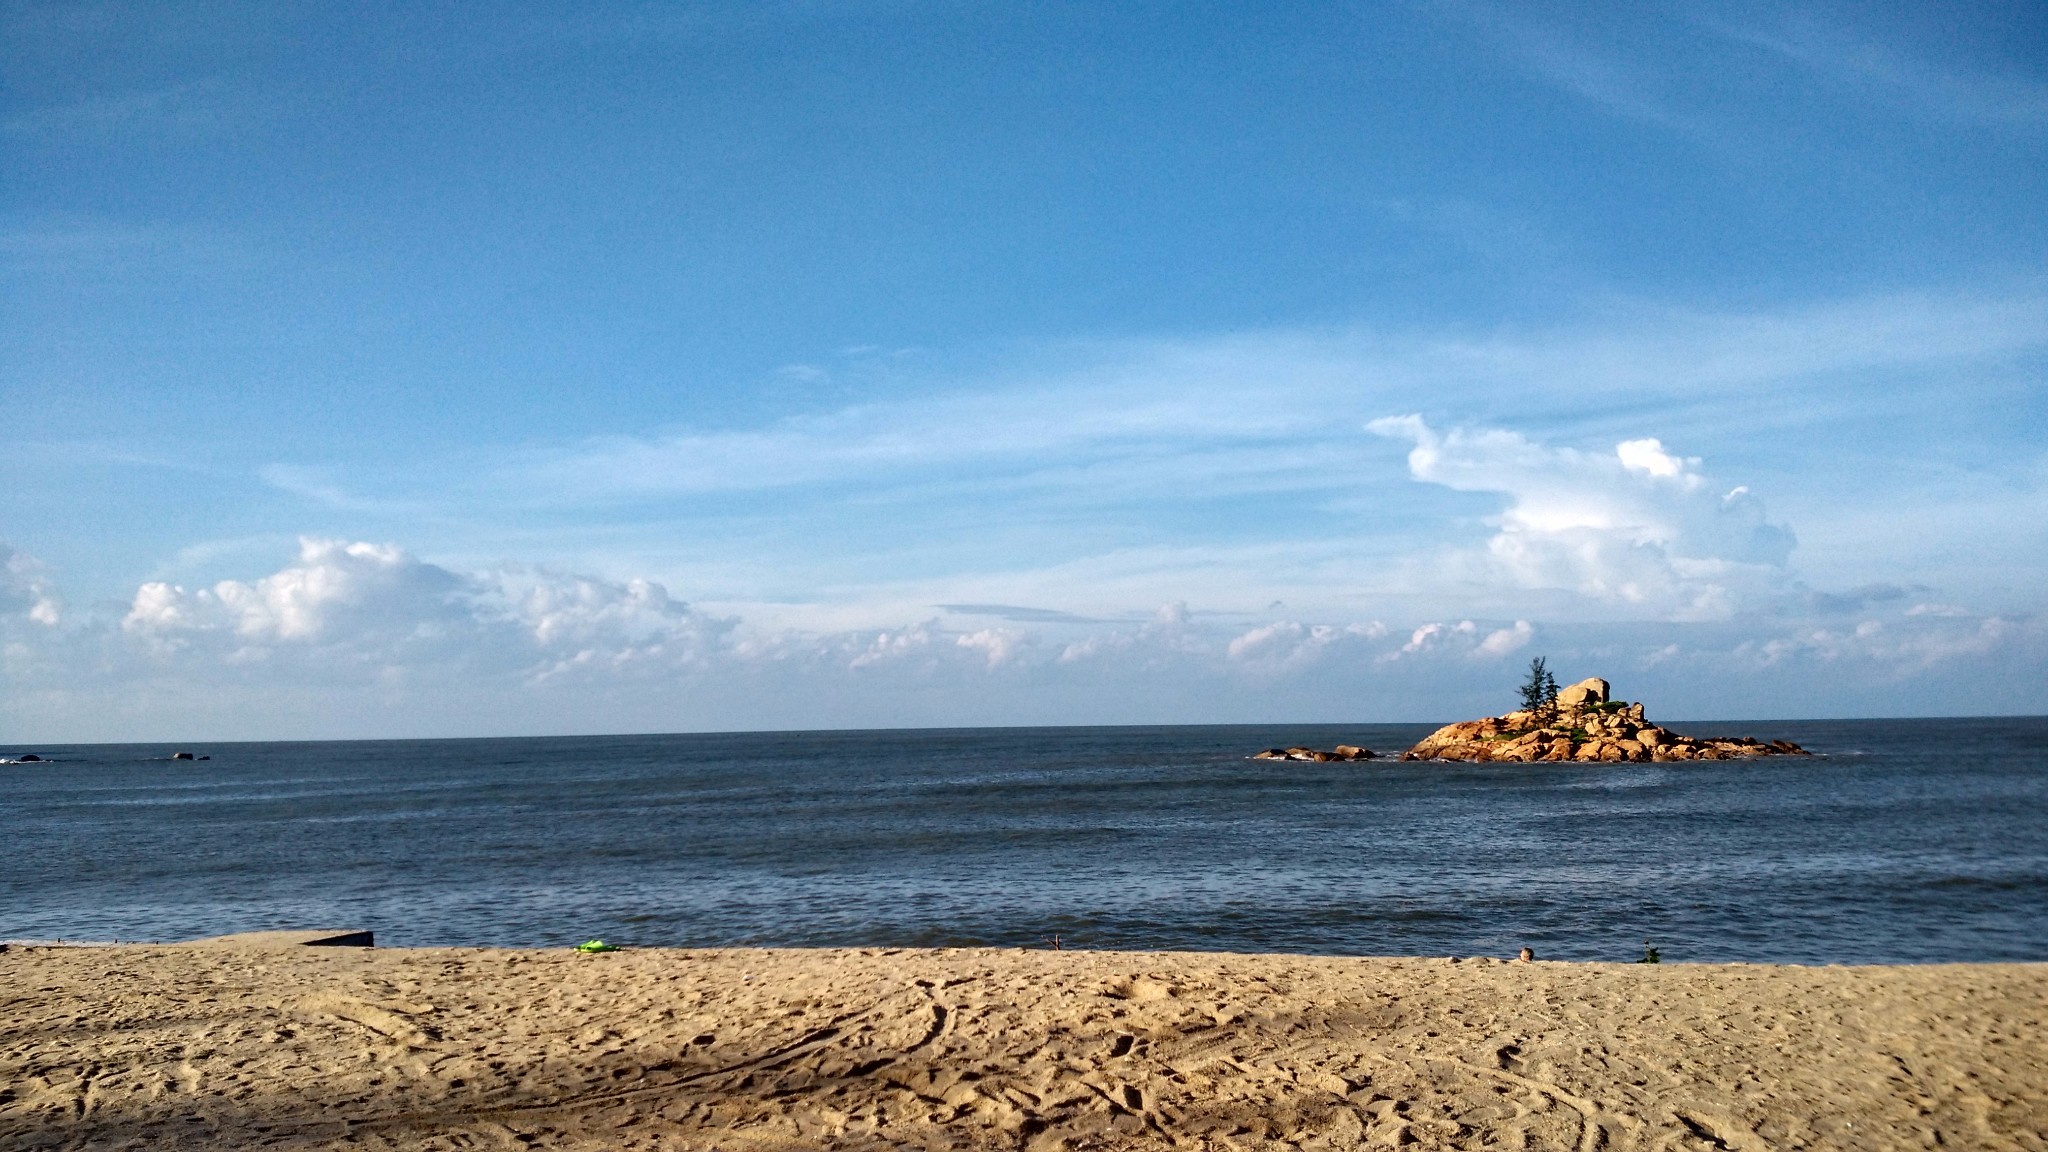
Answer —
(1285, 643)
(333, 586)
(342, 602)
(1648, 457)
(1170, 629)
(1503, 641)
(1898, 647)
(1000, 645)
(896, 645)
(1465, 638)
(1638, 527)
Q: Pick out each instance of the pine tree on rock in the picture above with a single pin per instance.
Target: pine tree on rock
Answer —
(1539, 692)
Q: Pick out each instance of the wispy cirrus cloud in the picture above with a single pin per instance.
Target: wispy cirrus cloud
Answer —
(206, 105)
(1548, 51)
(1216, 410)
(1098, 481)
(1872, 67)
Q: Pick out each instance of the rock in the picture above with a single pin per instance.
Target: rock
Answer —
(1592, 690)
(1343, 752)
(1589, 728)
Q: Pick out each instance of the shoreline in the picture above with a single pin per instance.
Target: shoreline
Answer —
(234, 1043)
(246, 940)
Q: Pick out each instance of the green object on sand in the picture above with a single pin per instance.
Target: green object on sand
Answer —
(596, 946)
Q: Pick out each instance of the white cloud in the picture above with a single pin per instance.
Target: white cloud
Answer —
(1635, 528)
(896, 645)
(1263, 637)
(1648, 457)
(1901, 652)
(26, 589)
(332, 583)
(1422, 637)
(1465, 638)
(1171, 630)
(343, 604)
(353, 638)
(1506, 640)
(1289, 643)
(998, 644)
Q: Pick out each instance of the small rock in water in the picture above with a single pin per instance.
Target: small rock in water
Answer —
(1342, 752)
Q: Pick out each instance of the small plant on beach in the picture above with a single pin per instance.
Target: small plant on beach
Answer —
(1539, 692)
(1650, 955)
(1053, 942)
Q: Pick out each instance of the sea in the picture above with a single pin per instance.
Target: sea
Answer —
(1899, 841)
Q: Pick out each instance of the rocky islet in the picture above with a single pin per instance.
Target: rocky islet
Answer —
(1583, 726)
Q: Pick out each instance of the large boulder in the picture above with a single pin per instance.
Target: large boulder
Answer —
(1591, 690)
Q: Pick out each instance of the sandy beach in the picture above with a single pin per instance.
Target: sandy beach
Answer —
(241, 1045)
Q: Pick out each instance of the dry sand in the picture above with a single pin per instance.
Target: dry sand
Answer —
(246, 1045)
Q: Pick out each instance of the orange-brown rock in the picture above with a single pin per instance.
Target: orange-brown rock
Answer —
(1585, 727)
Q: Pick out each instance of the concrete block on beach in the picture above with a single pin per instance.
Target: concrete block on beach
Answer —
(303, 938)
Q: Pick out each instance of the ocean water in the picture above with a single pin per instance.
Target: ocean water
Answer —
(1923, 840)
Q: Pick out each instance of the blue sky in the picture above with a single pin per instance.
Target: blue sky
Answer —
(455, 370)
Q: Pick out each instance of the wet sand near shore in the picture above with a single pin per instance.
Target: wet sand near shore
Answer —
(264, 1046)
